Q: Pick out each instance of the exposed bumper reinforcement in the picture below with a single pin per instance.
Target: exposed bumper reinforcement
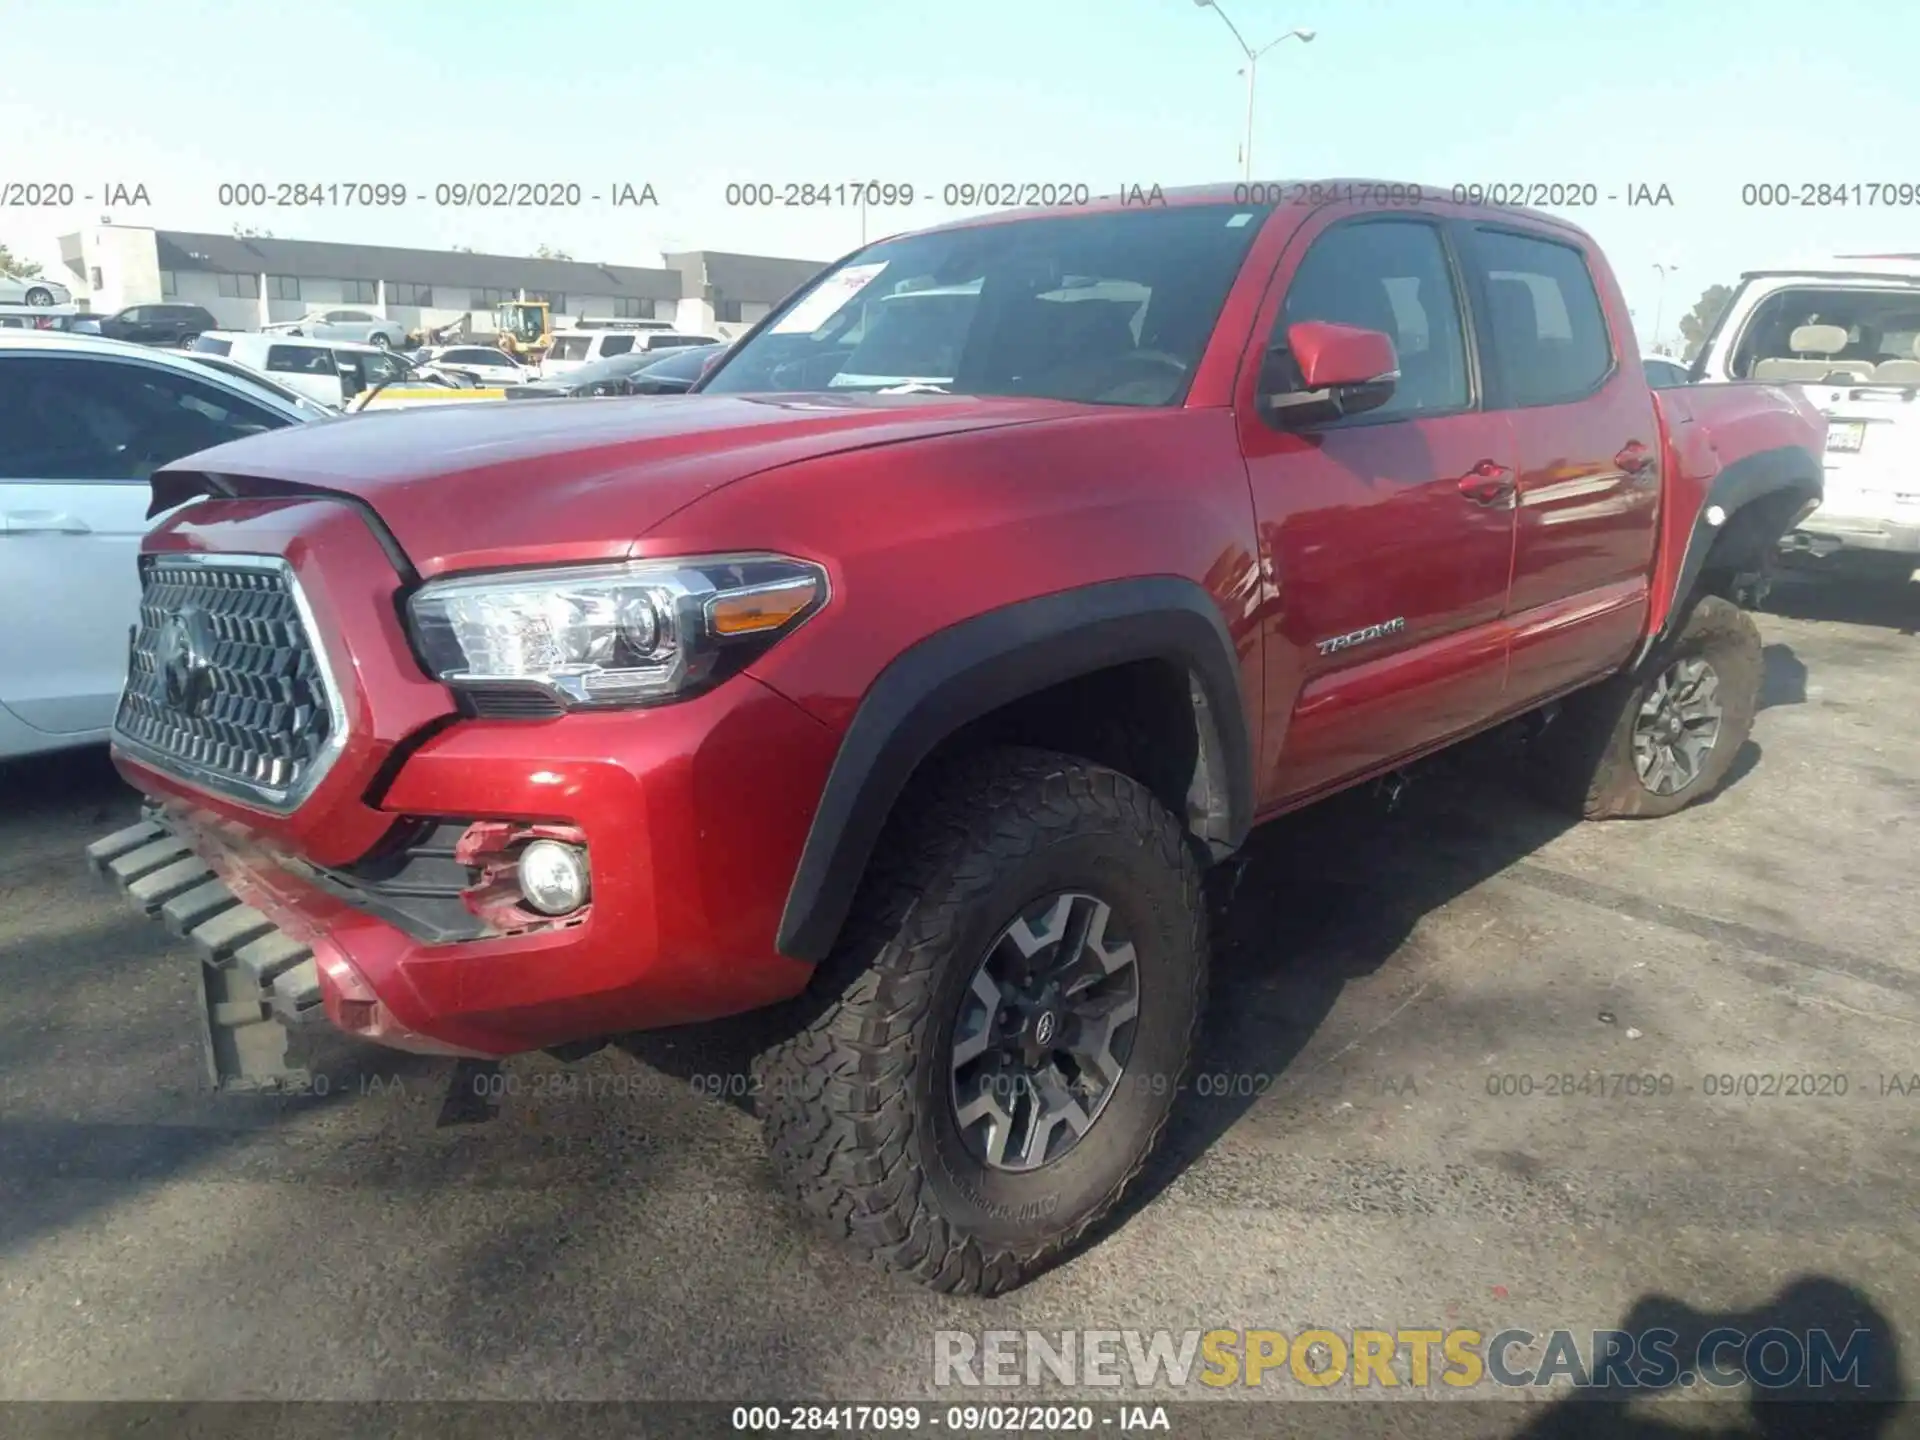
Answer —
(252, 974)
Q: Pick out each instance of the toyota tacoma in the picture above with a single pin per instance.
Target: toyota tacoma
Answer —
(910, 672)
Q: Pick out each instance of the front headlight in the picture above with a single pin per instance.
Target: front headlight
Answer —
(608, 635)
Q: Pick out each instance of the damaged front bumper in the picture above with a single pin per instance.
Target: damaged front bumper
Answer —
(258, 985)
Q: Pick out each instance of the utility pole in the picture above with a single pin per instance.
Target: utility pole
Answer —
(1251, 72)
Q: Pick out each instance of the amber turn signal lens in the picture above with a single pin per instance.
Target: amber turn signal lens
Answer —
(760, 609)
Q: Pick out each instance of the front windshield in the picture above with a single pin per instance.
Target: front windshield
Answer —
(1111, 308)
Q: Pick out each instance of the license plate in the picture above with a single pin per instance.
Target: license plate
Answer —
(1846, 436)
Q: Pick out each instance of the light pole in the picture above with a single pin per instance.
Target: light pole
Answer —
(1253, 63)
(1660, 305)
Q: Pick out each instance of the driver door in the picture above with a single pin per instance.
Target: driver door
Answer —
(1388, 534)
(79, 437)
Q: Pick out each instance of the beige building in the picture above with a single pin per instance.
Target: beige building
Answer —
(247, 282)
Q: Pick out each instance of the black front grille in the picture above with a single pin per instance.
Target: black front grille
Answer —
(223, 679)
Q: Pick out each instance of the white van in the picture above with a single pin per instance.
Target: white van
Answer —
(330, 372)
(1849, 336)
(573, 349)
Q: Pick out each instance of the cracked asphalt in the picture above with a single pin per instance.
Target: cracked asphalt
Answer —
(1377, 1146)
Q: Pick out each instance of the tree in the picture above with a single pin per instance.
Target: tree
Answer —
(248, 232)
(1699, 321)
(543, 253)
(461, 249)
(11, 264)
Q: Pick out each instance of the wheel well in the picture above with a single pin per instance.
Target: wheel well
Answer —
(1147, 719)
(1746, 544)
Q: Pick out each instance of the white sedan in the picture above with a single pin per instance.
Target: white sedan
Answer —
(484, 363)
(32, 290)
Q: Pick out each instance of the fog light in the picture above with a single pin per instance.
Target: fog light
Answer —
(553, 876)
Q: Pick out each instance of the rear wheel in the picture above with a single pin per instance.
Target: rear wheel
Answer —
(40, 296)
(1654, 740)
(1002, 1032)
(381, 341)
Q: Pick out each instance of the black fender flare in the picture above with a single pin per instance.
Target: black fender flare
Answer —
(1787, 471)
(974, 667)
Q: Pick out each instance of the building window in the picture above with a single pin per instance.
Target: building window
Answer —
(238, 287)
(169, 285)
(359, 292)
(405, 292)
(487, 297)
(727, 311)
(283, 287)
(633, 307)
(555, 303)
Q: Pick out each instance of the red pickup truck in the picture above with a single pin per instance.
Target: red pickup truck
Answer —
(912, 670)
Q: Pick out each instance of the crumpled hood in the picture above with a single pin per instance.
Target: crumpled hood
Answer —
(475, 485)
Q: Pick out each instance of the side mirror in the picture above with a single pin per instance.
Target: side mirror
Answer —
(1326, 372)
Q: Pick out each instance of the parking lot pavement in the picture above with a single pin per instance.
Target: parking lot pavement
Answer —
(1371, 1142)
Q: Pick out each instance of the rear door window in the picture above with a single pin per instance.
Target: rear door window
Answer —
(1546, 333)
(300, 360)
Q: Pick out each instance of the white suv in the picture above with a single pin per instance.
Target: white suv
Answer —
(1850, 338)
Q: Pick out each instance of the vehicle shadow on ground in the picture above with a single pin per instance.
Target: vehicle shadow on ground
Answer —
(1892, 604)
(1854, 1404)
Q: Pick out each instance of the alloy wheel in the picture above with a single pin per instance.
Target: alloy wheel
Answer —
(1044, 1032)
(1677, 726)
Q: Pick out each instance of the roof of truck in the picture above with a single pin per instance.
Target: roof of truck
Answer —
(1299, 191)
(1847, 267)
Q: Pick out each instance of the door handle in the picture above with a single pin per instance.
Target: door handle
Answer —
(43, 522)
(1488, 483)
(1634, 459)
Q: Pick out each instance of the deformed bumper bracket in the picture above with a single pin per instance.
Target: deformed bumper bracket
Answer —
(256, 981)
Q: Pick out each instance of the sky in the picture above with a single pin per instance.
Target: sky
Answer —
(1703, 97)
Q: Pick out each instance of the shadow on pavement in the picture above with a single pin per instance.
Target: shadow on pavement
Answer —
(1891, 603)
(1784, 680)
(1857, 1403)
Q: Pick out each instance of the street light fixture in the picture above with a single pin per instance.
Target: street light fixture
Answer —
(1253, 62)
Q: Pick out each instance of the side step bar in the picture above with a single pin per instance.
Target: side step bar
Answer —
(252, 974)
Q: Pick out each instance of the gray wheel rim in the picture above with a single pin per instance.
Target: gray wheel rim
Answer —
(1677, 726)
(1044, 1032)
(42, 298)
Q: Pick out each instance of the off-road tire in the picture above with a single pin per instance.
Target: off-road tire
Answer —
(1583, 762)
(856, 1105)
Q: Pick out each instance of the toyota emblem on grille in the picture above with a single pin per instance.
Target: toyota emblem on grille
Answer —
(183, 654)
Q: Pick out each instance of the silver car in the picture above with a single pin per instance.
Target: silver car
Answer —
(362, 326)
(32, 290)
(83, 423)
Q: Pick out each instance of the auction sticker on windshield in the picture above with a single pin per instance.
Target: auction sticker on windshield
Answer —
(825, 302)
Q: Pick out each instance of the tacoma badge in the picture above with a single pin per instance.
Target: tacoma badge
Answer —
(1360, 637)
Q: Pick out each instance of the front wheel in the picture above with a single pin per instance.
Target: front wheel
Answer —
(1654, 740)
(1005, 1024)
(40, 297)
